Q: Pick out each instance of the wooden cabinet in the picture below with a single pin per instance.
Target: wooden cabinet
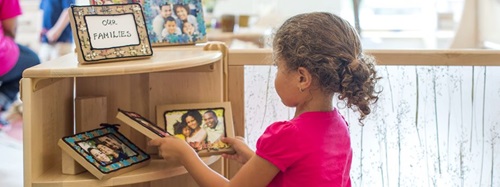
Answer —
(172, 76)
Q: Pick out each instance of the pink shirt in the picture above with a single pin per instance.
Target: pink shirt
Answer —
(9, 51)
(313, 149)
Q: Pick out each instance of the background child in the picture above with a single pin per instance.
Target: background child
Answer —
(14, 59)
(319, 57)
(56, 36)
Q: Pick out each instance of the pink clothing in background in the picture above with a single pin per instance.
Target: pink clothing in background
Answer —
(313, 149)
(9, 51)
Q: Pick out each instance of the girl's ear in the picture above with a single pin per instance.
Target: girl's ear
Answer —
(304, 78)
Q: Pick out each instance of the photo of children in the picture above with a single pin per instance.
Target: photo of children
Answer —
(200, 128)
(174, 22)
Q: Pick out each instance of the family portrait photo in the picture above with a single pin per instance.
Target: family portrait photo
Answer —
(105, 149)
(174, 22)
(202, 126)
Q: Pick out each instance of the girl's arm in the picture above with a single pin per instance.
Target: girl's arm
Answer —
(256, 172)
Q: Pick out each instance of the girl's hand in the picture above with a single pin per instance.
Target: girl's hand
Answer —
(171, 147)
(243, 152)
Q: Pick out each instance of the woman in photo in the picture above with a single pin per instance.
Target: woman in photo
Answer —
(182, 13)
(198, 135)
(102, 158)
(115, 156)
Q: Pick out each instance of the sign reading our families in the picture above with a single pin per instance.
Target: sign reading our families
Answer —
(112, 31)
(107, 33)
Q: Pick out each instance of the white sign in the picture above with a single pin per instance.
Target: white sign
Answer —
(112, 31)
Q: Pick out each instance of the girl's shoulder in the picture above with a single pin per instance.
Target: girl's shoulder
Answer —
(279, 131)
(281, 128)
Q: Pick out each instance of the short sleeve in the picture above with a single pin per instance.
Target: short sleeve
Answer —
(9, 9)
(279, 145)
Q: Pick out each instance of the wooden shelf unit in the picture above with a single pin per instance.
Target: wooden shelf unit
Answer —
(174, 75)
(157, 169)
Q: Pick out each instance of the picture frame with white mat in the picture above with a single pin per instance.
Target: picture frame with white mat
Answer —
(105, 33)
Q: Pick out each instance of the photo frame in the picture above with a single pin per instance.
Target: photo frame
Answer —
(104, 152)
(142, 124)
(201, 125)
(189, 27)
(110, 32)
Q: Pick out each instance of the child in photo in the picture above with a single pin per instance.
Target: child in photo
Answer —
(181, 130)
(170, 28)
(189, 31)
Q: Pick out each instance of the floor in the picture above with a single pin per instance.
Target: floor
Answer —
(11, 155)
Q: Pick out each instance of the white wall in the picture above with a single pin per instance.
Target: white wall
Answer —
(489, 21)
(274, 12)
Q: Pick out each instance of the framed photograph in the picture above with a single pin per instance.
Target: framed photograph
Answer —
(175, 22)
(201, 125)
(111, 32)
(141, 124)
(104, 152)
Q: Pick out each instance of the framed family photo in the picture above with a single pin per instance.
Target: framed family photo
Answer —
(175, 22)
(104, 152)
(201, 125)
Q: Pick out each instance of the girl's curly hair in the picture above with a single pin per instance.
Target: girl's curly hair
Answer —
(330, 48)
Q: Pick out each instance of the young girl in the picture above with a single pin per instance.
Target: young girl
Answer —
(319, 57)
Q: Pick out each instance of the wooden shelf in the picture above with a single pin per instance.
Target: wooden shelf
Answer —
(162, 60)
(173, 75)
(157, 169)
